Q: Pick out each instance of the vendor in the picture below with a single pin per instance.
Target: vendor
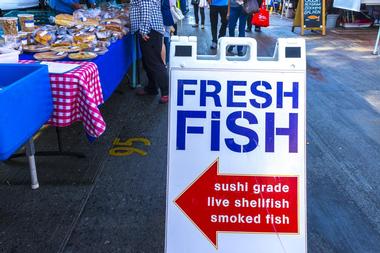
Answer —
(69, 6)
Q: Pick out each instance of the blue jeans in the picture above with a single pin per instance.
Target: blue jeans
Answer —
(236, 13)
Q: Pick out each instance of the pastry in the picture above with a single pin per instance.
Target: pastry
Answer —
(66, 49)
(43, 37)
(84, 38)
(35, 48)
(82, 56)
(65, 20)
(50, 56)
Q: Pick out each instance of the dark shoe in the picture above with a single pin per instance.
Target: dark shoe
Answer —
(195, 25)
(214, 45)
(240, 53)
(257, 29)
(143, 92)
(230, 49)
(248, 30)
(164, 99)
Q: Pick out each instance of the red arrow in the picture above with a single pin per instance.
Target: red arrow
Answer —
(241, 203)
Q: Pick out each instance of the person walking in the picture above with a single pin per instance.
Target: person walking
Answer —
(199, 7)
(168, 25)
(147, 21)
(249, 21)
(235, 13)
(218, 8)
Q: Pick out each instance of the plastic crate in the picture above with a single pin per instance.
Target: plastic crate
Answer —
(25, 104)
(41, 17)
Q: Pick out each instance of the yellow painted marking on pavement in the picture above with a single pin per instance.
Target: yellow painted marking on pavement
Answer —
(125, 148)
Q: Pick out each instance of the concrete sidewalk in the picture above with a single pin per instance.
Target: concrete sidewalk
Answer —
(117, 204)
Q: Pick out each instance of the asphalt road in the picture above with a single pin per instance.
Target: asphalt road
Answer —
(117, 204)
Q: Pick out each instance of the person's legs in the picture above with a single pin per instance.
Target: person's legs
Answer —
(223, 16)
(167, 46)
(202, 10)
(249, 23)
(196, 15)
(151, 50)
(214, 22)
(151, 88)
(234, 15)
(242, 22)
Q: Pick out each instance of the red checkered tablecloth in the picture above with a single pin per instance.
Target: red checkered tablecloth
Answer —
(76, 97)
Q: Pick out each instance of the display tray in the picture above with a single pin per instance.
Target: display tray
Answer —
(83, 56)
(35, 48)
(66, 49)
(50, 56)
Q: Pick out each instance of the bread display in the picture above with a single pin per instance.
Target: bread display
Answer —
(84, 38)
(65, 20)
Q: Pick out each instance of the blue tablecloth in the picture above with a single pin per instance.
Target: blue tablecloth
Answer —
(113, 65)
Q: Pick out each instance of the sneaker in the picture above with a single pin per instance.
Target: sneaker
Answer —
(257, 29)
(202, 26)
(214, 45)
(164, 99)
(248, 30)
(195, 25)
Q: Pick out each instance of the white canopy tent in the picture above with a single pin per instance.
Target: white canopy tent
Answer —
(354, 5)
(17, 4)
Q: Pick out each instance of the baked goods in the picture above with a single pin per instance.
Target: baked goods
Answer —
(65, 20)
(82, 46)
(50, 56)
(88, 22)
(60, 43)
(84, 38)
(43, 37)
(82, 56)
(35, 48)
(66, 49)
(26, 22)
(9, 25)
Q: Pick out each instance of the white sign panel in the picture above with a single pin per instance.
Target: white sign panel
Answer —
(353, 5)
(236, 159)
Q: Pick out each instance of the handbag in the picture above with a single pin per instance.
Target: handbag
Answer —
(250, 6)
(176, 14)
(261, 18)
(195, 2)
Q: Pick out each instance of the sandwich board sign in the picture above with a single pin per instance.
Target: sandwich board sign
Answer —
(236, 179)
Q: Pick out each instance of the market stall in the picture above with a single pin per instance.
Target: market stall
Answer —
(87, 56)
(97, 41)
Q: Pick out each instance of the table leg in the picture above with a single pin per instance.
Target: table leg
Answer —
(134, 60)
(60, 151)
(30, 151)
(376, 49)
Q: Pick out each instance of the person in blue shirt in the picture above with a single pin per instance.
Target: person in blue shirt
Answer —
(68, 6)
(218, 8)
(235, 13)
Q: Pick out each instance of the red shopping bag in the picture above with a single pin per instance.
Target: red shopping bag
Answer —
(261, 18)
